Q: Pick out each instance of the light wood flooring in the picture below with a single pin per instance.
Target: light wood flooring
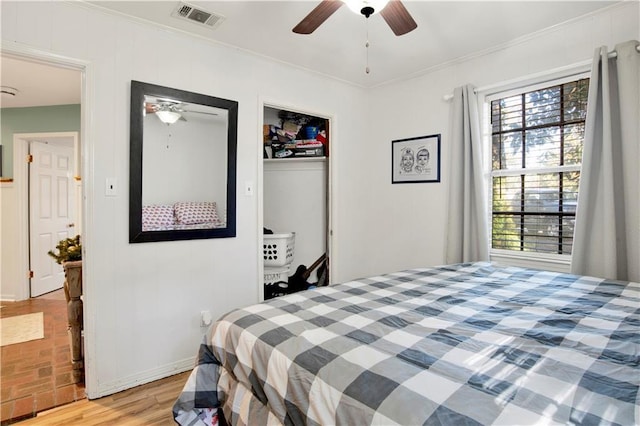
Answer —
(148, 404)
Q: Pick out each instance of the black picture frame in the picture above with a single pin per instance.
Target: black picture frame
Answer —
(416, 160)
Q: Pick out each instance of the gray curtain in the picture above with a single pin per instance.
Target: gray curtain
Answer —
(467, 234)
(607, 233)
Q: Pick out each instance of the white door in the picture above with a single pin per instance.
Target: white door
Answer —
(51, 211)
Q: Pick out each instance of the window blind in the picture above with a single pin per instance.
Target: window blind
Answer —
(537, 140)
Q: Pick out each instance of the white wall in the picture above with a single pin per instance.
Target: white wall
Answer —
(143, 301)
(177, 155)
(388, 227)
(8, 232)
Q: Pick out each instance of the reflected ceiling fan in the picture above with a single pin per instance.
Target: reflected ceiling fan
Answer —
(393, 12)
(169, 111)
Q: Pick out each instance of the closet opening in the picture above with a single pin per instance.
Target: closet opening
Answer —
(296, 201)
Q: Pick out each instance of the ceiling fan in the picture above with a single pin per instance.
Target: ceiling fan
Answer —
(393, 12)
(170, 111)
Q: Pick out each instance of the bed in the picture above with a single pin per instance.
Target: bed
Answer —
(463, 344)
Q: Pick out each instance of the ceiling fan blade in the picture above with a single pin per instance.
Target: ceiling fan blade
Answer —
(199, 112)
(317, 16)
(398, 18)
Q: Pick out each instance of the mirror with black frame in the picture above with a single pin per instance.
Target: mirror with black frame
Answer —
(182, 170)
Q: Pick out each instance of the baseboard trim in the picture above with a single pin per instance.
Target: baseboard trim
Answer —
(144, 377)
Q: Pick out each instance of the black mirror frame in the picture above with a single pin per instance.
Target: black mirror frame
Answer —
(138, 92)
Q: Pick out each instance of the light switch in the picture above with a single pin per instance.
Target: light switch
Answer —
(248, 188)
(111, 188)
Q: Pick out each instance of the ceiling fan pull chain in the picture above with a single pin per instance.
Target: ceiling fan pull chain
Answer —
(367, 68)
(366, 46)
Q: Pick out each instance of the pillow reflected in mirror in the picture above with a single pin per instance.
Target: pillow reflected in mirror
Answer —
(158, 217)
(193, 213)
(181, 215)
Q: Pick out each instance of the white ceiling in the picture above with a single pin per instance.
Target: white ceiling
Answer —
(447, 31)
(38, 84)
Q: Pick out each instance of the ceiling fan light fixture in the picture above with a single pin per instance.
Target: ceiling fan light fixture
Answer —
(393, 12)
(168, 117)
(364, 7)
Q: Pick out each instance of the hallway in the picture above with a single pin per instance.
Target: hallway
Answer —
(37, 375)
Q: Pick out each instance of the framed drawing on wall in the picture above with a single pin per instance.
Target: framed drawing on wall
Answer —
(415, 160)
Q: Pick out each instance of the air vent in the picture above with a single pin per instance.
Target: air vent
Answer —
(197, 15)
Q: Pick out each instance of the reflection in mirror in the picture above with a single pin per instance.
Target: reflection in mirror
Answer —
(183, 157)
(170, 165)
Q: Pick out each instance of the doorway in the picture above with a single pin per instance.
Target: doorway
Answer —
(54, 129)
(48, 104)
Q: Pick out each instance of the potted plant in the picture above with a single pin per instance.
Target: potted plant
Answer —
(69, 250)
(69, 255)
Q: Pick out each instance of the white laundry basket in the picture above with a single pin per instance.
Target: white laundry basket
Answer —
(278, 249)
(275, 282)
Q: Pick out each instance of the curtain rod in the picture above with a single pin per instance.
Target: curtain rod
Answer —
(612, 54)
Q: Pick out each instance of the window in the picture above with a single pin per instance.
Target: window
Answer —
(537, 139)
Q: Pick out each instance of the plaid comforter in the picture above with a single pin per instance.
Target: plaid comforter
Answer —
(457, 345)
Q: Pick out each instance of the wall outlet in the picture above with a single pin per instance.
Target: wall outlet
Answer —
(205, 318)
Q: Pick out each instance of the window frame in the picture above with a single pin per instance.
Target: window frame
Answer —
(551, 261)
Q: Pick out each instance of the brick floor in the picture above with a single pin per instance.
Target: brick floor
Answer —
(37, 375)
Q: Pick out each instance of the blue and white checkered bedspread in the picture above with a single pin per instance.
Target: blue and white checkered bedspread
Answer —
(455, 345)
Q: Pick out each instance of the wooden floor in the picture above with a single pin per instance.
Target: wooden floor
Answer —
(37, 375)
(148, 404)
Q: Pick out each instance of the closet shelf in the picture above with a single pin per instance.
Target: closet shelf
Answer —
(295, 160)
